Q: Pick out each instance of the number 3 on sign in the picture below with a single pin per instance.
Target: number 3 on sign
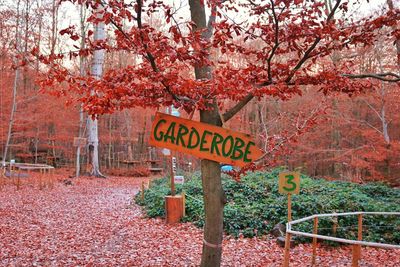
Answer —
(289, 182)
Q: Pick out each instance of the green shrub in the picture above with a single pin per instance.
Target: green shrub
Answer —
(254, 205)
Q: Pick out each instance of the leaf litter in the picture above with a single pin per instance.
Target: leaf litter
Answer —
(94, 222)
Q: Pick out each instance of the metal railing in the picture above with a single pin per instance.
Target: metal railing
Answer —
(341, 240)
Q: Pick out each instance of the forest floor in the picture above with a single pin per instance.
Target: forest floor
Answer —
(93, 222)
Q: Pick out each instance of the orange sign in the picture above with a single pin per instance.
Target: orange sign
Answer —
(203, 140)
(289, 182)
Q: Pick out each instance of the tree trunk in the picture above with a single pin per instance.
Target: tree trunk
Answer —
(82, 73)
(109, 140)
(129, 134)
(39, 40)
(12, 114)
(14, 93)
(25, 69)
(383, 117)
(92, 127)
(213, 193)
(397, 42)
(214, 201)
(54, 18)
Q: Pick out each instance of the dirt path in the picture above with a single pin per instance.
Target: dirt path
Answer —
(92, 223)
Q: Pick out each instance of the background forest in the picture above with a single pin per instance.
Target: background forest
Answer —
(336, 136)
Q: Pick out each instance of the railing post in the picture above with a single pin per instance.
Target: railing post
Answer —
(40, 179)
(286, 259)
(357, 248)
(314, 245)
(18, 179)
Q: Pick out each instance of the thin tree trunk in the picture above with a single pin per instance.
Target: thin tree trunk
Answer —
(128, 122)
(53, 27)
(25, 69)
(36, 144)
(78, 149)
(384, 121)
(14, 93)
(213, 194)
(397, 41)
(82, 73)
(383, 117)
(12, 114)
(39, 40)
(92, 123)
(110, 139)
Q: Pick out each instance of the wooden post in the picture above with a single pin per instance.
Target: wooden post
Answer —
(142, 193)
(40, 179)
(18, 179)
(44, 181)
(287, 250)
(360, 225)
(289, 203)
(11, 169)
(11, 174)
(335, 225)
(51, 171)
(286, 259)
(357, 248)
(184, 203)
(314, 245)
(51, 178)
(2, 181)
(46, 178)
(172, 175)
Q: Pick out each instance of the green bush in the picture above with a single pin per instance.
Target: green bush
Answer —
(254, 205)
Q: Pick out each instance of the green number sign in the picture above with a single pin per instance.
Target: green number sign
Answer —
(289, 183)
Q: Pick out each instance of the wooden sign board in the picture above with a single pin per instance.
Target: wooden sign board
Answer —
(289, 182)
(203, 140)
(79, 141)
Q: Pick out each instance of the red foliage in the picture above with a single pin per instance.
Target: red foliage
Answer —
(307, 37)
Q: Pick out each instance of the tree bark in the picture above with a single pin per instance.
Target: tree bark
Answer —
(25, 69)
(397, 41)
(14, 92)
(92, 123)
(214, 201)
(82, 73)
(128, 123)
(12, 114)
(213, 193)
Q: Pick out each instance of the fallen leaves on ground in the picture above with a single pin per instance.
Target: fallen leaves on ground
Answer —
(93, 222)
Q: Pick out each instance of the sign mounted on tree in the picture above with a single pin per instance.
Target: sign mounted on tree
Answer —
(289, 182)
(203, 140)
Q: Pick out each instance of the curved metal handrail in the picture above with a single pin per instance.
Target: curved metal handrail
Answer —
(341, 240)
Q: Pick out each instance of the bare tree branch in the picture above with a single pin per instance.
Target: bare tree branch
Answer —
(378, 76)
(149, 56)
(235, 109)
(312, 47)
(276, 41)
